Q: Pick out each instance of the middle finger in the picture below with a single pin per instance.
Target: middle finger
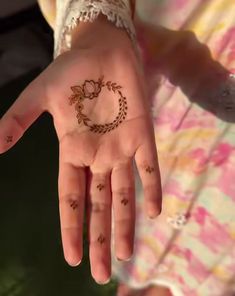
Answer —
(99, 225)
(123, 195)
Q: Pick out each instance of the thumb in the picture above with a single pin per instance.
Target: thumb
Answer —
(26, 109)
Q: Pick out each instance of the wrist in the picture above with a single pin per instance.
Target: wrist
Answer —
(98, 33)
(89, 23)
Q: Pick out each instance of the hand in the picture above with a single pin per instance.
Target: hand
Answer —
(95, 93)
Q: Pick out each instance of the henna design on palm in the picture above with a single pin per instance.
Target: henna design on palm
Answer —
(90, 90)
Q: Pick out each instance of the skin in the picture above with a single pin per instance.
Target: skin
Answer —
(124, 290)
(90, 90)
(95, 169)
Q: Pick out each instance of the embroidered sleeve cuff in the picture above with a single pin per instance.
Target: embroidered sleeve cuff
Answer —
(71, 12)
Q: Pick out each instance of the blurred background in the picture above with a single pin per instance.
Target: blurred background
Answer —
(31, 257)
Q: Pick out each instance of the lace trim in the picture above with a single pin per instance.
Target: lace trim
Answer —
(71, 12)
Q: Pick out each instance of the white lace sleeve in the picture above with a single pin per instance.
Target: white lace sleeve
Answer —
(70, 12)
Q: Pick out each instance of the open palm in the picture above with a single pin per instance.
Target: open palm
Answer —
(102, 120)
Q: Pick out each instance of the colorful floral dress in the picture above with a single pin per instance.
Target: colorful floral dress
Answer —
(189, 56)
(190, 247)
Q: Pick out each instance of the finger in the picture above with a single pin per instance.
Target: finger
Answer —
(123, 198)
(26, 109)
(99, 223)
(147, 164)
(71, 204)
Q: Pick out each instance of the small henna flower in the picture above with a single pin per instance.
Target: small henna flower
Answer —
(101, 239)
(100, 186)
(9, 139)
(149, 169)
(73, 204)
(91, 89)
(79, 106)
(124, 201)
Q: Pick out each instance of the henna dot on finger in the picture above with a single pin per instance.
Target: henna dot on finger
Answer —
(73, 204)
(101, 239)
(9, 139)
(100, 187)
(149, 169)
(124, 201)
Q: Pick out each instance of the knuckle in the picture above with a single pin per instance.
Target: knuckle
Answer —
(70, 199)
(123, 222)
(18, 121)
(98, 207)
(99, 178)
(151, 188)
(123, 191)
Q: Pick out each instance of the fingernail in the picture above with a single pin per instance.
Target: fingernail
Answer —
(152, 217)
(124, 260)
(75, 265)
(128, 259)
(103, 283)
(153, 211)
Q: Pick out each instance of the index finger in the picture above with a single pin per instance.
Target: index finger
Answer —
(148, 168)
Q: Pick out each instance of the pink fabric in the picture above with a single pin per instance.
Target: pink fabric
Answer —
(193, 99)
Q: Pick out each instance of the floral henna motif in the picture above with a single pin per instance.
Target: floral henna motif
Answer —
(124, 201)
(90, 90)
(73, 205)
(149, 169)
(100, 187)
(101, 239)
(9, 139)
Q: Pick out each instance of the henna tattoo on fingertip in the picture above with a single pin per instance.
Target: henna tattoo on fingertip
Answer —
(90, 90)
(101, 239)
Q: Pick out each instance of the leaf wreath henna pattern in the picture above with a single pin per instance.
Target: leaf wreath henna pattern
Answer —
(124, 201)
(101, 239)
(100, 187)
(90, 90)
(9, 139)
(149, 169)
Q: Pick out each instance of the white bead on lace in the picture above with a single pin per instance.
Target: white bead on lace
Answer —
(177, 221)
(162, 268)
(71, 12)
